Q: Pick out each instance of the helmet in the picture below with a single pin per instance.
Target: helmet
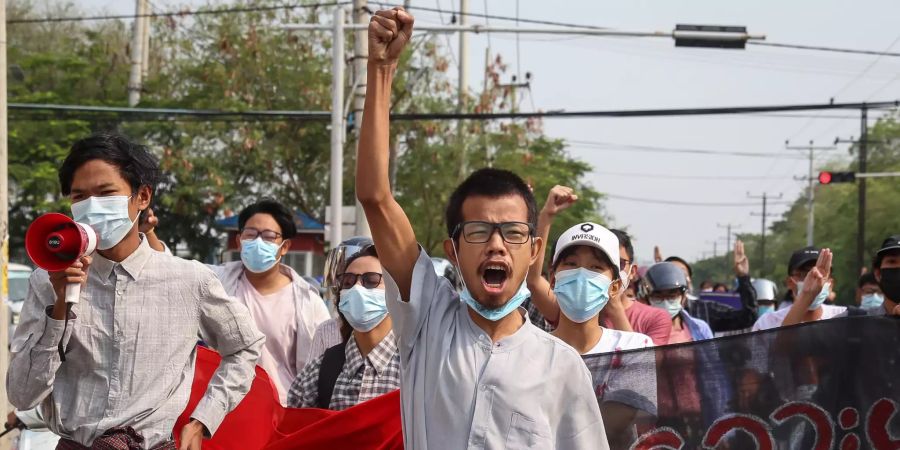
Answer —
(663, 277)
(765, 289)
(336, 262)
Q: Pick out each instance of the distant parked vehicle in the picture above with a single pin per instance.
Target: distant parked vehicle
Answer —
(18, 288)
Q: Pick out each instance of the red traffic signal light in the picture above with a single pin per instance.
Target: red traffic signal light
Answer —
(836, 177)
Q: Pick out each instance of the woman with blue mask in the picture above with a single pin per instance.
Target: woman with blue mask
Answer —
(367, 364)
(582, 281)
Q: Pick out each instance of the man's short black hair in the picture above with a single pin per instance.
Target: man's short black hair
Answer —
(681, 260)
(624, 241)
(134, 161)
(491, 183)
(867, 278)
(279, 212)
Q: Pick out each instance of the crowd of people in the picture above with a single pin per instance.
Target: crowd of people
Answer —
(495, 358)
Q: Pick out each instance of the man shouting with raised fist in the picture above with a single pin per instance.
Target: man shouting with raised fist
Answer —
(475, 373)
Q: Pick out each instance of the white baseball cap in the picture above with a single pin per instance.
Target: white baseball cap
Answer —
(591, 235)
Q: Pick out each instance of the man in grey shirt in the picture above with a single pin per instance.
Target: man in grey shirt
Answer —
(116, 368)
(474, 373)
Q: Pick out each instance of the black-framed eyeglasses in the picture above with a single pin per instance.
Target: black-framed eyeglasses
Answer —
(478, 232)
(368, 280)
(249, 234)
(623, 263)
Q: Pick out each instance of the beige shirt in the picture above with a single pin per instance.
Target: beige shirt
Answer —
(130, 347)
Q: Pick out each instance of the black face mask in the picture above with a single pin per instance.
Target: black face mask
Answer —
(890, 284)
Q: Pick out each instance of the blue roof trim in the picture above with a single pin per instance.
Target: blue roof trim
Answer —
(303, 222)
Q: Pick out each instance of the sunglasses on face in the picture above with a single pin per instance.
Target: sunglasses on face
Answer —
(368, 280)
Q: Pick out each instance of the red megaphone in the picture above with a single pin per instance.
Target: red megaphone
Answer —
(54, 242)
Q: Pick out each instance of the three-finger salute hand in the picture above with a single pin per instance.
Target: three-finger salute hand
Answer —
(389, 32)
(741, 262)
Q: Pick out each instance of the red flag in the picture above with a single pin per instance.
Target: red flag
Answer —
(260, 422)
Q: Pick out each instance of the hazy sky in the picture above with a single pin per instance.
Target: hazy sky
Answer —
(591, 73)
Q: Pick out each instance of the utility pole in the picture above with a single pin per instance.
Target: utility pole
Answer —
(811, 189)
(360, 61)
(145, 43)
(337, 127)
(4, 214)
(861, 210)
(137, 58)
(728, 228)
(861, 175)
(762, 246)
(462, 88)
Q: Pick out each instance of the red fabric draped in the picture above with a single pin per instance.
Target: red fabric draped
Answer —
(261, 423)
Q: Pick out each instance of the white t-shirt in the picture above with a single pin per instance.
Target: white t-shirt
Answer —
(617, 341)
(276, 317)
(627, 378)
(774, 319)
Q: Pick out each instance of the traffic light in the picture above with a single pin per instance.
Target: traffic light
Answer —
(836, 177)
(710, 36)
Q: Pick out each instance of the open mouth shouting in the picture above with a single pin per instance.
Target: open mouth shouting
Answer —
(494, 275)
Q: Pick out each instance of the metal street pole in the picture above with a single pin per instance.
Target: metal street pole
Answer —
(4, 215)
(861, 189)
(811, 188)
(337, 128)
(137, 59)
(762, 246)
(360, 62)
(462, 89)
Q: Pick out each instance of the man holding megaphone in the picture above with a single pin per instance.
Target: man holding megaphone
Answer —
(110, 365)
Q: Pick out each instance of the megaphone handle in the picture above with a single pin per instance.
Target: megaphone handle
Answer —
(73, 292)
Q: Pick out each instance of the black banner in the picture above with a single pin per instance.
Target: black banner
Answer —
(831, 384)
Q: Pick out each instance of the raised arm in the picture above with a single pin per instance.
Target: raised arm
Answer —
(812, 285)
(559, 199)
(389, 32)
(723, 318)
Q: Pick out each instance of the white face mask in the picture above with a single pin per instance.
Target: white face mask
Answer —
(108, 216)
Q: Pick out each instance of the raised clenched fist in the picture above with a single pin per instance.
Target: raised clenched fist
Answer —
(389, 32)
(559, 199)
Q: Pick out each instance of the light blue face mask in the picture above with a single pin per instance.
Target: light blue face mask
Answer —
(871, 301)
(492, 314)
(820, 299)
(581, 293)
(108, 216)
(760, 310)
(671, 305)
(363, 308)
(259, 255)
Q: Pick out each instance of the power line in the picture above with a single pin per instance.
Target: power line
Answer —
(196, 12)
(684, 203)
(824, 49)
(684, 177)
(650, 148)
(498, 17)
(325, 115)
